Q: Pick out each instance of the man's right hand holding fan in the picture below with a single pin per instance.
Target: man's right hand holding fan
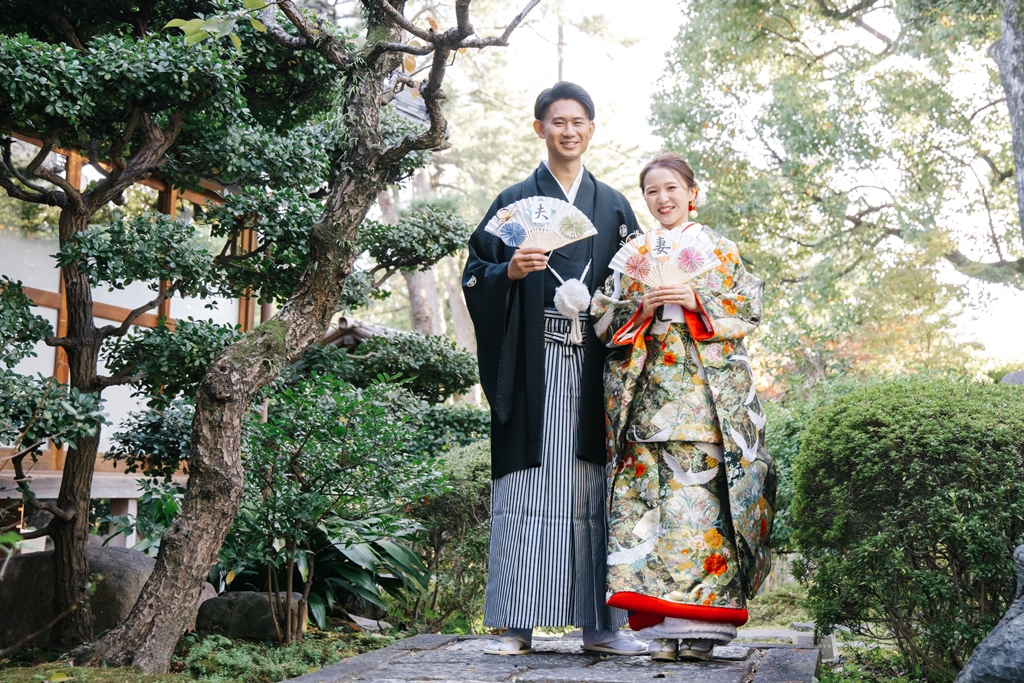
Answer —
(526, 260)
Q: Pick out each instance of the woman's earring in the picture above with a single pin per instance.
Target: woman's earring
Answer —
(693, 210)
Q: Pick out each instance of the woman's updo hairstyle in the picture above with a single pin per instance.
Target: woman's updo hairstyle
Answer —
(672, 162)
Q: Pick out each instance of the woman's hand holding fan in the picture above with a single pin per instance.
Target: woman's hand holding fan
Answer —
(666, 258)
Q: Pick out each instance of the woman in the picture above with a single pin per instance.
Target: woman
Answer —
(692, 488)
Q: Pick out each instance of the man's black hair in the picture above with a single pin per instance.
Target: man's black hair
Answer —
(563, 90)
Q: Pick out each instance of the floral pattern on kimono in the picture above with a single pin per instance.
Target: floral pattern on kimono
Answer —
(731, 497)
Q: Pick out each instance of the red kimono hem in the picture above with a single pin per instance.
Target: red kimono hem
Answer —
(645, 611)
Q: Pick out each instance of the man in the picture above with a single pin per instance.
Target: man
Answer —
(548, 527)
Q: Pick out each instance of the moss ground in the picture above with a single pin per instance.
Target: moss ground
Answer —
(779, 608)
(213, 659)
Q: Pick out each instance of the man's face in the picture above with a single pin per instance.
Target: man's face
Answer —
(566, 130)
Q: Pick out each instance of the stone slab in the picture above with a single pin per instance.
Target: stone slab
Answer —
(425, 641)
(632, 669)
(433, 659)
(788, 665)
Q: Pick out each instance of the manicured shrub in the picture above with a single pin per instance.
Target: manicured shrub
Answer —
(456, 528)
(908, 502)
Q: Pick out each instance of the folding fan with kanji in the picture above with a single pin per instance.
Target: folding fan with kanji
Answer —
(543, 222)
(666, 257)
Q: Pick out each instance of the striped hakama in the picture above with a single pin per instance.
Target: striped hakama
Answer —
(548, 543)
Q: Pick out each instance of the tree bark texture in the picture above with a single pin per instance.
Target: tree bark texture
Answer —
(1008, 53)
(424, 302)
(465, 335)
(147, 636)
(71, 536)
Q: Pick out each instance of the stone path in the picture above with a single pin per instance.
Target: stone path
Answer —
(437, 658)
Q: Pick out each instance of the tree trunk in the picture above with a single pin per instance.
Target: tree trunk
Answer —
(71, 537)
(420, 309)
(1008, 53)
(146, 638)
(419, 306)
(465, 335)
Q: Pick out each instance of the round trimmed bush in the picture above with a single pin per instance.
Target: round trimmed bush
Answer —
(908, 503)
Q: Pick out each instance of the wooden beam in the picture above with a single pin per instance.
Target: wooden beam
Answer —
(100, 310)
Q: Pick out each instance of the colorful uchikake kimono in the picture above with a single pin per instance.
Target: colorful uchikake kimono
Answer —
(691, 486)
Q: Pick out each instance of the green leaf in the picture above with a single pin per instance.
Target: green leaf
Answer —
(236, 41)
(255, 4)
(175, 23)
(257, 24)
(317, 607)
(361, 554)
(193, 38)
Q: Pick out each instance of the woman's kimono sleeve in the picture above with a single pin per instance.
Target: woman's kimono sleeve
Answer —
(729, 298)
(613, 308)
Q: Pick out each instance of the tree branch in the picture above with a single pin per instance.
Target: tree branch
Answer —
(103, 381)
(94, 159)
(122, 329)
(65, 27)
(984, 107)
(37, 533)
(443, 45)
(316, 38)
(877, 34)
(279, 35)
(829, 10)
(35, 168)
(407, 25)
(142, 163)
(502, 40)
(420, 50)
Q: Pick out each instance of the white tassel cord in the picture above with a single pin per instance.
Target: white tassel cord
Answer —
(572, 298)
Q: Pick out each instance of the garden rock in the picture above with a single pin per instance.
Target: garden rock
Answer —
(1000, 658)
(243, 614)
(1015, 377)
(365, 624)
(26, 593)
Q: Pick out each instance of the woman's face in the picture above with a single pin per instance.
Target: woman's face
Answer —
(668, 197)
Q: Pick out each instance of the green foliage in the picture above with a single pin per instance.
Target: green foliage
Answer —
(216, 659)
(158, 507)
(33, 672)
(852, 174)
(155, 442)
(20, 329)
(788, 419)
(436, 368)
(168, 363)
(779, 608)
(422, 237)
(432, 367)
(456, 527)
(148, 248)
(909, 500)
(36, 409)
(87, 94)
(870, 665)
(443, 427)
(328, 470)
(282, 221)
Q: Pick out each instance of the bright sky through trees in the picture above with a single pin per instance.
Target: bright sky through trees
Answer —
(623, 77)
